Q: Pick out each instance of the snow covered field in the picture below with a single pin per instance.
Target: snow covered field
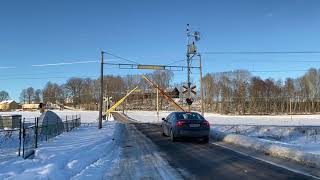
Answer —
(217, 119)
(276, 129)
(86, 116)
(280, 120)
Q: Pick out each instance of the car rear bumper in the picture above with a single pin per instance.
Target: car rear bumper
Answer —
(193, 133)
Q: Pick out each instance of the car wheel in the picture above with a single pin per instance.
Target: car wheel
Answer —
(173, 139)
(163, 134)
(206, 139)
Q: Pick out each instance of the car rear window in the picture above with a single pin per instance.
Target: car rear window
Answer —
(189, 116)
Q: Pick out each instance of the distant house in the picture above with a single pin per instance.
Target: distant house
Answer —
(175, 93)
(9, 105)
(149, 95)
(30, 107)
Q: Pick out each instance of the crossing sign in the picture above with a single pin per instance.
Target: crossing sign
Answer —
(192, 89)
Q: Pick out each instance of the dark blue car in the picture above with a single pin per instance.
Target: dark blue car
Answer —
(185, 125)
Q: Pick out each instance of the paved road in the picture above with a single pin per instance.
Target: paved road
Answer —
(196, 160)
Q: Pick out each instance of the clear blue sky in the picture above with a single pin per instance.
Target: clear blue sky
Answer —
(153, 32)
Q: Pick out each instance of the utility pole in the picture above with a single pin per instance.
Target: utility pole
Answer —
(201, 87)
(157, 102)
(101, 91)
(107, 105)
(290, 108)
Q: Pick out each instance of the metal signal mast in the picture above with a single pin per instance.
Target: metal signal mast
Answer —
(192, 37)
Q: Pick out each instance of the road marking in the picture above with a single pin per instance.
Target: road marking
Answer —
(269, 162)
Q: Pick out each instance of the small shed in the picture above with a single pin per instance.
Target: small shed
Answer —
(51, 124)
(9, 105)
(10, 121)
(175, 93)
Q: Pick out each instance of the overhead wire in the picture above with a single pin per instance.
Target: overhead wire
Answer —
(175, 62)
(125, 59)
(63, 63)
(261, 52)
(53, 77)
(7, 67)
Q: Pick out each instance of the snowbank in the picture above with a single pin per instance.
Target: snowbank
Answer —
(303, 138)
(268, 147)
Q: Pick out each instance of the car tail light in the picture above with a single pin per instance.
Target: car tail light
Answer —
(206, 123)
(180, 123)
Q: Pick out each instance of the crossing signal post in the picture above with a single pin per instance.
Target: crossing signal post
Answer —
(189, 101)
(192, 37)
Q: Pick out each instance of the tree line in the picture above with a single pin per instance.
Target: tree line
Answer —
(238, 92)
(234, 92)
(85, 92)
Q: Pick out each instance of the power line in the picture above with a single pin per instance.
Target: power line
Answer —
(175, 62)
(39, 73)
(261, 52)
(294, 70)
(7, 67)
(53, 77)
(116, 56)
(63, 63)
(260, 60)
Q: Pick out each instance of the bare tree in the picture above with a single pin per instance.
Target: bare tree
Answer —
(37, 96)
(162, 78)
(30, 95)
(53, 93)
(74, 87)
(4, 96)
(23, 96)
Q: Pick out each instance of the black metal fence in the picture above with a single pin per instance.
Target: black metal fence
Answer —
(28, 138)
(24, 140)
(36, 132)
(10, 136)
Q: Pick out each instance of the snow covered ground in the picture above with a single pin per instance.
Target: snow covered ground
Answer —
(116, 151)
(280, 130)
(86, 116)
(9, 140)
(9, 144)
(80, 154)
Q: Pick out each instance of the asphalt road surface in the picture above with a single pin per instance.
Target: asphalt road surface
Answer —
(195, 160)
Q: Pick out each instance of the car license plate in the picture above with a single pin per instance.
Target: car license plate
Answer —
(194, 125)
